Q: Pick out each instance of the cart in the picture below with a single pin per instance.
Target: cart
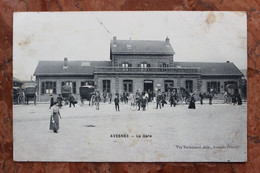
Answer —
(65, 93)
(87, 93)
(30, 94)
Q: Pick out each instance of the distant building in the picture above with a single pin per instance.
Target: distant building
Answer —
(17, 82)
(136, 65)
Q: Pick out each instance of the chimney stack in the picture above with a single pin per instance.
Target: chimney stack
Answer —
(65, 64)
(167, 41)
(114, 39)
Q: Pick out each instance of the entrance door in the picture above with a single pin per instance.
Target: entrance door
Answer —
(148, 85)
(128, 86)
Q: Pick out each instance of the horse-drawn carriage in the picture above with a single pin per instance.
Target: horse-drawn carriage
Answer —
(87, 93)
(65, 93)
(30, 94)
(16, 95)
(232, 91)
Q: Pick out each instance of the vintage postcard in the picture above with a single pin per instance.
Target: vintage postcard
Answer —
(130, 86)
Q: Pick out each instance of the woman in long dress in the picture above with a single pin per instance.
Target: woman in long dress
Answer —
(192, 102)
(54, 120)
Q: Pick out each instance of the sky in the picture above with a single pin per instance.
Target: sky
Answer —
(194, 36)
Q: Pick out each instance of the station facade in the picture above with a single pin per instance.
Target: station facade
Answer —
(135, 65)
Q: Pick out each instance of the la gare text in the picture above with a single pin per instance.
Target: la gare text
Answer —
(130, 136)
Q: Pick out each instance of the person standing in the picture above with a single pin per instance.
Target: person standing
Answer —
(51, 102)
(97, 99)
(116, 100)
(59, 100)
(72, 100)
(239, 100)
(192, 102)
(210, 96)
(201, 98)
(54, 119)
(172, 99)
(110, 97)
(143, 101)
(163, 99)
(105, 96)
(158, 100)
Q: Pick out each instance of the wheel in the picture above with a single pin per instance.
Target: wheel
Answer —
(187, 101)
(133, 106)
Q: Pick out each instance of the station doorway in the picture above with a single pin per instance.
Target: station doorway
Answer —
(148, 85)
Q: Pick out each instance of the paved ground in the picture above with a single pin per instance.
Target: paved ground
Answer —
(210, 132)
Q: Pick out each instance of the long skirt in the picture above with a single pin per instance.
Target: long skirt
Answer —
(54, 125)
(192, 105)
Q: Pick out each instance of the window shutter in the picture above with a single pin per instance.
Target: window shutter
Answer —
(139, 65)
(54, 87)
(218, 87)
(74, 87)
(43, 88)
(62, 83)
(130, 65)
(148, 65)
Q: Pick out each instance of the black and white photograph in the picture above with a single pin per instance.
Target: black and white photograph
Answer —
(132, 86)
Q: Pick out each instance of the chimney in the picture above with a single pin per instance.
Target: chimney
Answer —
(114, 39)
(167, 41)
(65, 64)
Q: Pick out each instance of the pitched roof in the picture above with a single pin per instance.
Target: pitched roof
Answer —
(74, 67)
(212, 68)
(140, 47)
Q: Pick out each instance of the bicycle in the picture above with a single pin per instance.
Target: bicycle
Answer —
(133, 105)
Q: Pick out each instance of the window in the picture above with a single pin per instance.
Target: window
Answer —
(70, 83)
(163, 65)
(213, 85)
(126, 65)
(128, 85)
(189, 85)
(168, 85)
(144, 65)
(48, 87)
(106, 85)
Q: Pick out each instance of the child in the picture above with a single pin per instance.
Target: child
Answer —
(116, 100)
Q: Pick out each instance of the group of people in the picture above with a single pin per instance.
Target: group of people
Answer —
(141, 99)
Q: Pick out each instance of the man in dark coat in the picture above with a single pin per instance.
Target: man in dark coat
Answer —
(72, 100)
(51, 101)
(59, 100)
(201, 98)
(172, 99)
(116, 100)
(239, 100)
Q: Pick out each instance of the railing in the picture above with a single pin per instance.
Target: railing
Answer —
(181, 70)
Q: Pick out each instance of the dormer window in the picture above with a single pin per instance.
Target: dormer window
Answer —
(129, 46)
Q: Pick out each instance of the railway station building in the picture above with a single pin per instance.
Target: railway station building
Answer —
(135, 65)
